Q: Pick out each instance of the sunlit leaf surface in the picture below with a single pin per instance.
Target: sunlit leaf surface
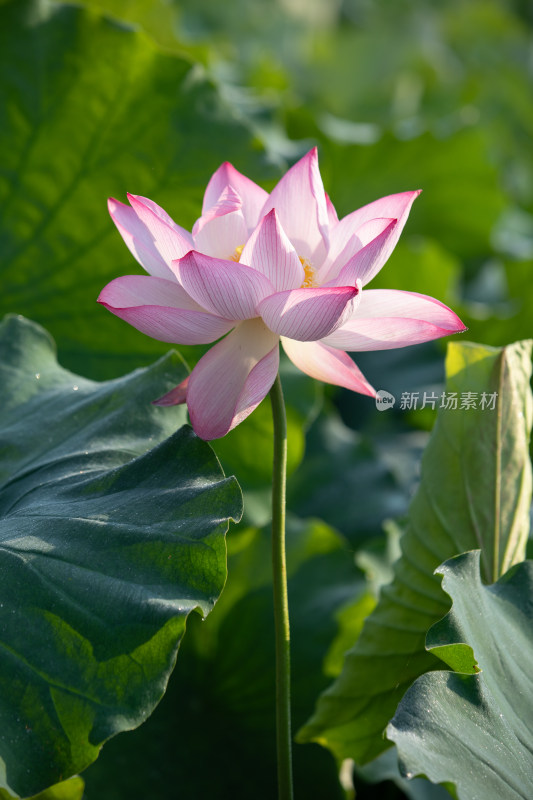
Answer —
(475, 729)
(110, 535)
(453, 511)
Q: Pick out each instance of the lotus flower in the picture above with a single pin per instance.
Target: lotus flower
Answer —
(258, 268)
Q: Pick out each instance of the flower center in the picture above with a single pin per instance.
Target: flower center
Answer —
(309, 273)
(237, 254)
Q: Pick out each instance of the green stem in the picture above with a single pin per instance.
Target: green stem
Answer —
(281, 603)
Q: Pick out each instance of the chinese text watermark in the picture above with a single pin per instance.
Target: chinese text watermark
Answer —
(410, 401)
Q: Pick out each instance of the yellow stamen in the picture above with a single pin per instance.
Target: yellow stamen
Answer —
(237, 254)
(309, 279)
(309, 272)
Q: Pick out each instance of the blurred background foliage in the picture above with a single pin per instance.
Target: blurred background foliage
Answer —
(404, 95)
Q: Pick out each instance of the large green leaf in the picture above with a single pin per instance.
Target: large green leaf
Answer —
(92, 109)
(71, 789)
(475, 491)
(156, 17)
(385, 768)
(475, 729)
(219, 709)
(105, 547)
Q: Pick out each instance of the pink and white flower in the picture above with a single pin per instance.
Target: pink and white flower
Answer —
(258, 268)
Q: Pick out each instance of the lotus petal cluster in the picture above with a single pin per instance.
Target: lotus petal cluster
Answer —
(262, 267)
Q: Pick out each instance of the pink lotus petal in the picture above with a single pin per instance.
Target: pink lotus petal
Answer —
(252, 196)
(138, 239)
(226, 288)
(145, 290)
(222, 228)
(176, 397)
(368, 231)
(326, 364)
(270, 252)
(369, 259)
(308, 314)
(394, 206)
(258, 267)
(169, 239)
(332, 213)
(230, 381)
(388, 318)
(300, 202)
(162, 310)
(164, 217)
(330, 268)
(226, 203)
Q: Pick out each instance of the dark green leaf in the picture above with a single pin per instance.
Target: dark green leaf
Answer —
(475, 730)
(105, 547)
(475, 491)
(214, 731)
(385, 768)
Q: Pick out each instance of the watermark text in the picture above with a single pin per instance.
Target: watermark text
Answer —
(465, 401)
